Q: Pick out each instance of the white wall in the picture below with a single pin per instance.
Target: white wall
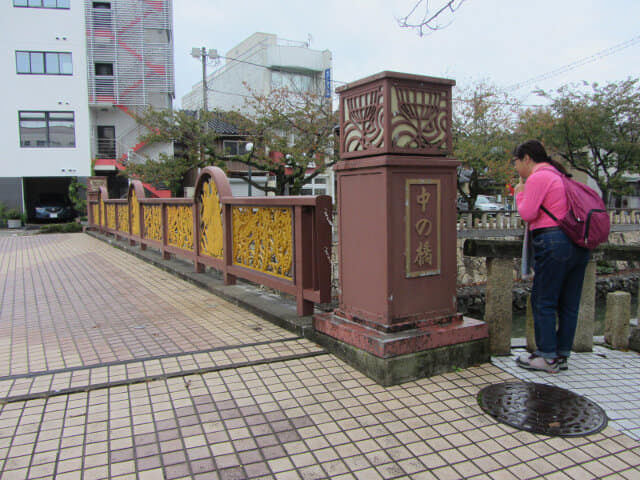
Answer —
(226, 88)
(43, 29)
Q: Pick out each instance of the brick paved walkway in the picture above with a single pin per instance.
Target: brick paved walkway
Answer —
(112, 368)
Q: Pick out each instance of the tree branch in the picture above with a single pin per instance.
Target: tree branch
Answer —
(429, 23)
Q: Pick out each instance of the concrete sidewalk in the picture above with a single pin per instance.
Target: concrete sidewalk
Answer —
(113, 368)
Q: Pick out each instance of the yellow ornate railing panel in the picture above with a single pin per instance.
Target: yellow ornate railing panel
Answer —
(95, 212)
(152, 222)
(111, 216)
(210, 221)
(180, 226)
(103, 218)
(263, 239)
(123, 218)
(135, 214)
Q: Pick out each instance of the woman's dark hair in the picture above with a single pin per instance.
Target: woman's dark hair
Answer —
(538, 154)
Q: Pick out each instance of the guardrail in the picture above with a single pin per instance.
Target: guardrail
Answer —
(505, 219)
(280, 242)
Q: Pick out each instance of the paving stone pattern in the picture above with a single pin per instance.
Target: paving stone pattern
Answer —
(610, 378)
(174, 383)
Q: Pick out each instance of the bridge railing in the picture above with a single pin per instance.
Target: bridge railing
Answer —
(281, 242)
(506, 220)
(499, 256)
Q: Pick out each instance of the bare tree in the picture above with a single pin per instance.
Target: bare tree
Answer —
(429, 21)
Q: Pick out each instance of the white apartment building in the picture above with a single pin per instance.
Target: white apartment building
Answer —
(263, 62)
(73, 71)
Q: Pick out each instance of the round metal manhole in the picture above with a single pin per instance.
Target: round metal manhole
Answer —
(544, 409)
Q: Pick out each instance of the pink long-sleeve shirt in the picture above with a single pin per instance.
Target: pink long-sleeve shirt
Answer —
(543, 187)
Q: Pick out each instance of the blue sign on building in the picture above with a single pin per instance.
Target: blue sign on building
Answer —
(327, 83)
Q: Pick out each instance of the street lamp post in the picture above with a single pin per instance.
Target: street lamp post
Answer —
(203, 53)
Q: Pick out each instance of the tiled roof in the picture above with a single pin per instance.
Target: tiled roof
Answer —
(217, 125)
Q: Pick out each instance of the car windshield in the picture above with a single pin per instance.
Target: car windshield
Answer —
(52, 199)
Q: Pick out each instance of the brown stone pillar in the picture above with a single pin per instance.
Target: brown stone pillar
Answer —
(498, 305)
(93, 194)
(617, 320)
(397, 317)
(583, 340)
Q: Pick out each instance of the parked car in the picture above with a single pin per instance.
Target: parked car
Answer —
(485, 203)
(53, 207)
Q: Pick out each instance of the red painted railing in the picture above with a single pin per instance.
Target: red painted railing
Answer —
(308, 278)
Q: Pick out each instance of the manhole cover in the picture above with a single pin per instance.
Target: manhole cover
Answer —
(544, 409)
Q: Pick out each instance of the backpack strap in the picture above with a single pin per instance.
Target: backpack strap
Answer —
(548, 213)
(542, 207)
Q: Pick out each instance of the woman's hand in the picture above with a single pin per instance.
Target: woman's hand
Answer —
(519, 187)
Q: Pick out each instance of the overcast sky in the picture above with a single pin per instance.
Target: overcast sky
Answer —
(503, 41)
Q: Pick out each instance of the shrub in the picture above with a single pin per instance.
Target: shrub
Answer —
(71, 227)
(77, 195)
(13, 214)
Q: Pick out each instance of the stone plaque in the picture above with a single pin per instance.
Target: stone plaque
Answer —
(423, 249)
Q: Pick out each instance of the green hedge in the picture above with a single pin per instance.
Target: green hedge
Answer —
(71, 227)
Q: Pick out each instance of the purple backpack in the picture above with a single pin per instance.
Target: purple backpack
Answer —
(587, 222)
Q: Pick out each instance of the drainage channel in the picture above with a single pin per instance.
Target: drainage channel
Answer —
(38, 385)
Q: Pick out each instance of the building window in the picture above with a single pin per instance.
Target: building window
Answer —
(104, 79)
(104, 69)
(106, 141)
(298, 82)
(317, 186)
(44, 63)
(41, 3)
(47, 129)
(232, 148)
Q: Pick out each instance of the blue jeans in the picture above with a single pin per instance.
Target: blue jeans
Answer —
(559, 267)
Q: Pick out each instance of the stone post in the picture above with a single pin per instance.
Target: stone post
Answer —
(397, 318)
(583, 341)
(638, 309)
(530, 328)
(616, 323)
(498, 304)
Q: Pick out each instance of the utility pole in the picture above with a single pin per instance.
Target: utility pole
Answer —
(204, 79)
(204, 54)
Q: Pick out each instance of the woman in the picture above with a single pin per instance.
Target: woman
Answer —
(559, 264)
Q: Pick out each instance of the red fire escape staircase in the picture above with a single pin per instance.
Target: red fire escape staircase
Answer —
(153, 70)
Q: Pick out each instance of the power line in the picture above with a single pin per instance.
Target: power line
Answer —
(517, 86)
(578, 63)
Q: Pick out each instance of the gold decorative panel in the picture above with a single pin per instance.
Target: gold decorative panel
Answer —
(103, 218)
(95, 213)
(423, 227)
(263, 239)
(135, 214)
(153, 222)
(363, 121)
(180, 226)
(419, 117)
(111, 216)
(123, 218)
(210, 221)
